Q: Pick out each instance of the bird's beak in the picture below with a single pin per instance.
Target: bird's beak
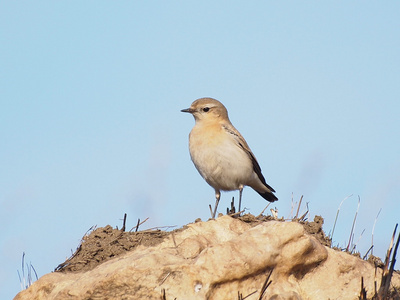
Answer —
(187, 110)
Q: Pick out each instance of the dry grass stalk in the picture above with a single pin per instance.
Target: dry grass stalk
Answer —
(138, 224)
(373, 229)
(298, 207)
(165, 278)
(353, 226)
(355, 244)
(263, 210)
(388, 271)
(266, 284)
(366, 254)
(337, 214)
(303, 217)
(240, 296)
(292, 208)
(27, 279)
(232, 210)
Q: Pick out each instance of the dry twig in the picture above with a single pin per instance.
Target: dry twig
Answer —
(124, 222)
(266, 284)
(363, 291)
(242, 298)
(138, 224)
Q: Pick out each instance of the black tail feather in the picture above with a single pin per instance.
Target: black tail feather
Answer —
(269, 196)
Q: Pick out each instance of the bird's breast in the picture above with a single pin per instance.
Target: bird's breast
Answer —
(219, 158)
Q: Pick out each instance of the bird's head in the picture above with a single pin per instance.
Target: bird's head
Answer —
(207, 109)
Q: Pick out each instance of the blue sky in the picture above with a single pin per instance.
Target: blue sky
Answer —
(91, 128)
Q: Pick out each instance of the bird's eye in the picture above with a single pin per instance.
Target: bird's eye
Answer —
(206, 109)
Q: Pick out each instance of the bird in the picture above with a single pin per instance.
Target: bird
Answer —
(220, 153)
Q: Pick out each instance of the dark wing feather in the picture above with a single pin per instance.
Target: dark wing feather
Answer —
(256, 167)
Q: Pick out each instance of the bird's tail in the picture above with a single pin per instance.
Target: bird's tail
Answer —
(269, 196)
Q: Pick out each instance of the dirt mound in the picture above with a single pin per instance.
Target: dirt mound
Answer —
(104, 243)
(315, 229)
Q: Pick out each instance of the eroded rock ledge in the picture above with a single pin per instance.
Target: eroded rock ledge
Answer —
(218, 259)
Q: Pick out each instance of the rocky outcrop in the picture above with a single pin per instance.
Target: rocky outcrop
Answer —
(224, 258)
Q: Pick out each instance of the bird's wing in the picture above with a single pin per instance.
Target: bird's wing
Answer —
(243, 144)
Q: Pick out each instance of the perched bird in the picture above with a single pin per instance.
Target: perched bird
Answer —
(221, 154)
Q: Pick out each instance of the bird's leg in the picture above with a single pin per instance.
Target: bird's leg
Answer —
(217, 197)
(240, 197)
